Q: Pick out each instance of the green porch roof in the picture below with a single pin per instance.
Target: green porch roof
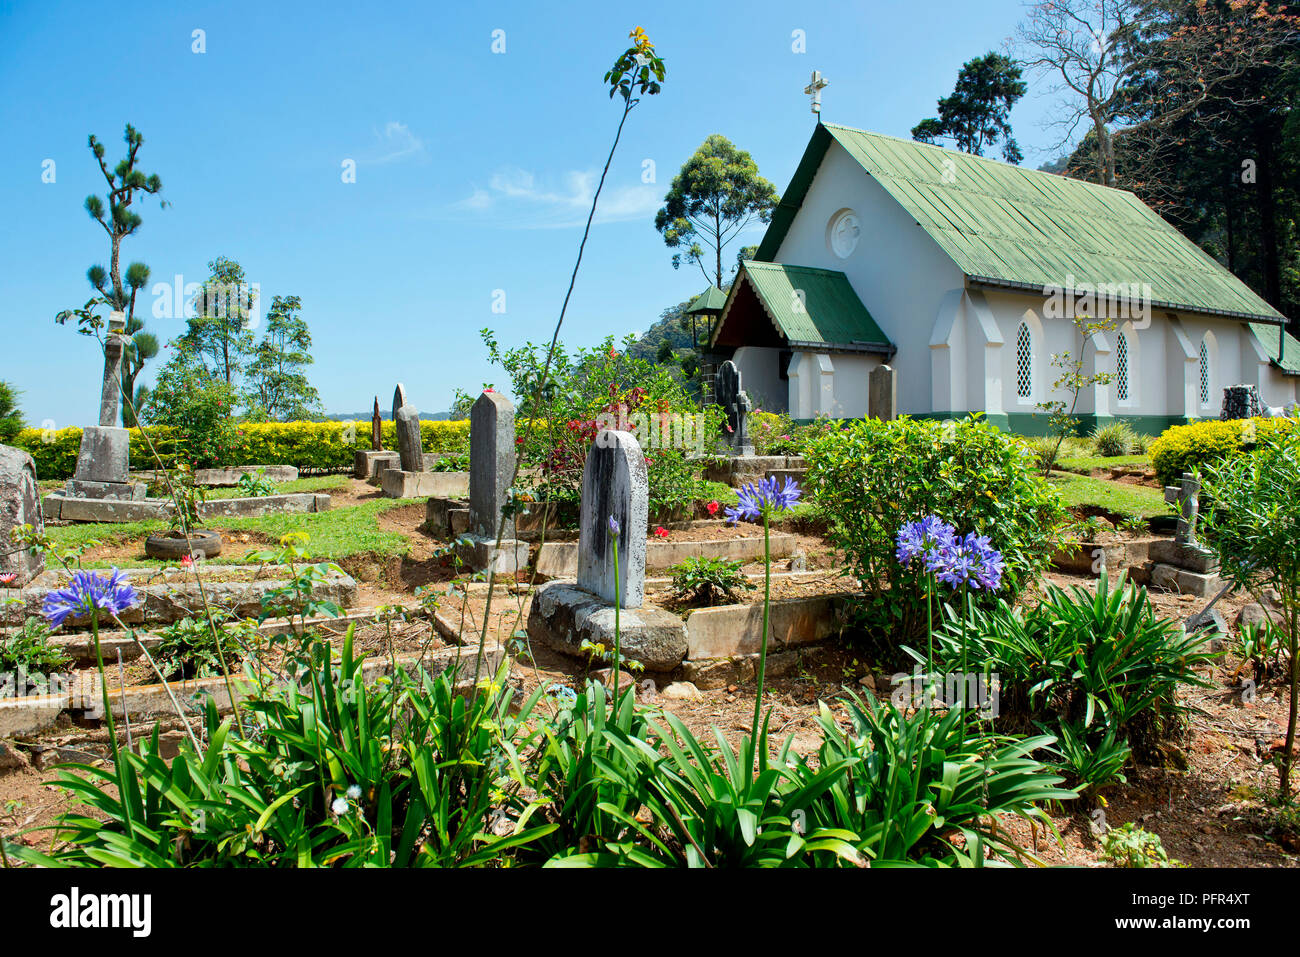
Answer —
(811, 307)
(1020, 228)
(1272, 337)
(711, 300)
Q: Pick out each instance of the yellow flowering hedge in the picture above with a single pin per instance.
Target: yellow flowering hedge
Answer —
(310, 446)
(1187, 448)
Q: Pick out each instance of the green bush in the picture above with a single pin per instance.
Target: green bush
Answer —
(11, 419)
(710, 580)
(1130, 846)
(1195, 447)
(1100, 671)
(187, 649)
(29, 649)
(308, 446)
(1256, 535)
(870, 478)
(1113, 440)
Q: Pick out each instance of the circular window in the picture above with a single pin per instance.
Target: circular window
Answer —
(842, 233)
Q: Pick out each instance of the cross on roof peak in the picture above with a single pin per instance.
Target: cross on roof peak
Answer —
(814, 89)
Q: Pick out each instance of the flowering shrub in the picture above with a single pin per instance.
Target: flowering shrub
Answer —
(1191, 448)
(602, 388)
(872, 476)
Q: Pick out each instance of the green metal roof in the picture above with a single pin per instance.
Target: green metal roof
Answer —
(711, 300)
(1020, 228)
(1269, 336)
(812, 307)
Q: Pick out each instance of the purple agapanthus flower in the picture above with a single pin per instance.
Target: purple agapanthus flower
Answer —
(87, 592)
(613, 525)
(929, 540)
(767, 497)
(957, 561)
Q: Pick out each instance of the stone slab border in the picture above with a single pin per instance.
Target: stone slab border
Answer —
(62, 508)
(560, 559)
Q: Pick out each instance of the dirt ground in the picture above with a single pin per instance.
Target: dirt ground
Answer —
(1207, 801)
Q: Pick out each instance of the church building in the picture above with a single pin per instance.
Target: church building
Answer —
(964, 274)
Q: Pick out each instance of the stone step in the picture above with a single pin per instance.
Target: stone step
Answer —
(794, 475)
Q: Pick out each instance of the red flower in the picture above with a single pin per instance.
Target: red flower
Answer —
(489, 389)
(712, 507)
(613, 354)
(661, 532)
(8, 579)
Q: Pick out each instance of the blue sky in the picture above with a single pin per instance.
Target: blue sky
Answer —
(473, 168)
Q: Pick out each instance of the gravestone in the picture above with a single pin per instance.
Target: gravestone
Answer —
(399, 399)
(1186, 495)
(735, 403)
(882, 387)
(1241, 402)
(491, 463)
(1184, 564)
(20, 504)
(491, 470)
(103, 461)
(411, 457)
(376, 430)
(615, 485)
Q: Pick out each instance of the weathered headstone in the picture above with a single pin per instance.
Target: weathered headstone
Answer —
(1184, 565)
(882, 392)
(409, 451)
(20, 504)
(1186, 495)
(615, 485)
(491, 463)
(1241, 402)
(399, 399)
(735, 403)
(376, 430)
(103, 461)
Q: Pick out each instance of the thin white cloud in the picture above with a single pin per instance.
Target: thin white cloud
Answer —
(395, 142)
(514, 198)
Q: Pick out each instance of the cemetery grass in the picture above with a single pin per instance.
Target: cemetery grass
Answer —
(1124, 499)
(1086, 464)
(340, 533)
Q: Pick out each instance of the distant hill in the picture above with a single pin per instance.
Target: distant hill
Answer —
(384, 414)
(667, 327)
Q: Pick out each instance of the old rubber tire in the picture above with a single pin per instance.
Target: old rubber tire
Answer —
(203, 543)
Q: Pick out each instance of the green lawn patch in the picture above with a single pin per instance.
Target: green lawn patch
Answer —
(335, 534)
(1083, 465)
(1116, 497)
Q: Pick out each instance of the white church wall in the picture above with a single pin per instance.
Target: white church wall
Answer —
(760, 377)
(898, 272)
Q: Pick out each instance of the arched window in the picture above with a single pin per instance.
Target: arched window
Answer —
(1024, 362)
(1205, 371)
(1121, 367)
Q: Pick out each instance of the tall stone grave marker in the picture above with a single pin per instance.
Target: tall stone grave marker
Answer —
(491, 463)
(615, 485)
(411, 455)
(20, 504)
(376, 430)
(399, 399)
(491, 469)
(735, 403)
(103, 463)
(882, 389)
